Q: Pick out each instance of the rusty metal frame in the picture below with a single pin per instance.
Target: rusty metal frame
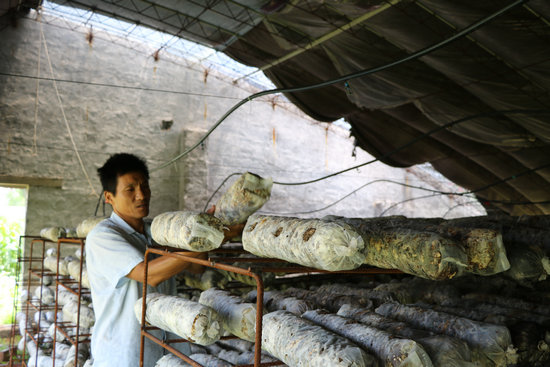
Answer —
(221, 263)
(64, 281)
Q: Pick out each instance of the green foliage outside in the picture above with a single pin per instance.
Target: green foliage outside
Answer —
(9, 241)
(12, 219)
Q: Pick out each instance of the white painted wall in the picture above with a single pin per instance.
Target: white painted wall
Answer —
(40, 119)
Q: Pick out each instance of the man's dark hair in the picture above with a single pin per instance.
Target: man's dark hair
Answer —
(117, 165)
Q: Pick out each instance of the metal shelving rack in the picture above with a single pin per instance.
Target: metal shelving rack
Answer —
(215, 260)
(66, 282)
(36, 271)
(14, 359)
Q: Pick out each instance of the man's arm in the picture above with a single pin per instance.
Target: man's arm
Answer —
(162, 268)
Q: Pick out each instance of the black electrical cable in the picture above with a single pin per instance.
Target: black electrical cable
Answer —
(219, 187)
(420, 137)
(96, 84)
(348, 77)
(498, 182)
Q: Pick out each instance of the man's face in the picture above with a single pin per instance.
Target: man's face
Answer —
(131, 201)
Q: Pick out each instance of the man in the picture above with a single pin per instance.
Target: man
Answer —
(115, 262)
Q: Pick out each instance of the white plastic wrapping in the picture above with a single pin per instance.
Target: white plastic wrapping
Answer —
(73, 268)
(87, 317)
(55, 333)
(170, 360)
(65, 296)
(45, 294)
(50, 263)
(238, 317)
(61, 350)
(188, 319)
(73, 360)
(207, 360)
(187, 230)
(299, 342)
(248, 194)
(443, 350)
(417, 252)
(494, 341)
(275, 300)
(310, 242)
(392, 350)
(53, 233)
(87, 225)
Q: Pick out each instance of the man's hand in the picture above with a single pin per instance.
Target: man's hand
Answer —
(233, 231)
(229, 232)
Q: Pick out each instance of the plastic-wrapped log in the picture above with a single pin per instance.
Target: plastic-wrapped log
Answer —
(53, 233)
(61, 350)
(528, 263)
(74, 360)
(50, 263)
(331, 302)
(529, 338)
(391, 350)
(45, 294)
(275, 300)
(299, 342)
(493, 341)
(65, 296)
(74, 271)
(189, 231)
(70, 313)
(44, 361)
(210, 278)
(248, 194)
(238, 317)
(207, 360)
(421, 253)
(443, 350)
(87, 225)
(170, 360)
(310, 242)
(509, 302)
(484, 248)
(188, 319)
(54, 332)
(418, 289)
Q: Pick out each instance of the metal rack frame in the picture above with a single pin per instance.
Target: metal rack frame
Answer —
(222, 264)
(13, 358)
(64, 282)
(39, 272)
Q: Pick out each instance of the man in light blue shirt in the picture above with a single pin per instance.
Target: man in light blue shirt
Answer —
(115, 251)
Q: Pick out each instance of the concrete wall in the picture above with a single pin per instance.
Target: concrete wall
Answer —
(44, 124)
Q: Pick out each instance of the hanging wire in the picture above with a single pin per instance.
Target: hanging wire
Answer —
(345, 78)
(495, 183)
(63, 113)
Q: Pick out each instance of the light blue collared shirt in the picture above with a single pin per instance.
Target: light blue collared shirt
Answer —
(113, 249)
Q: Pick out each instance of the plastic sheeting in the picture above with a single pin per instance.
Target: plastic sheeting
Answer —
(187, 230)
(299, 342)
(191, 320)
(309, 242)
(238, 317)
(248, 194)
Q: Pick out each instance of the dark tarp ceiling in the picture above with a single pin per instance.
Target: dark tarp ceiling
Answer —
(477, 109)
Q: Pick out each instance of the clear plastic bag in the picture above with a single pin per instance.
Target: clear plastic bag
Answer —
(299, 342)
(188, 319)
(310, 242)
(248, 194)
(187, 230)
